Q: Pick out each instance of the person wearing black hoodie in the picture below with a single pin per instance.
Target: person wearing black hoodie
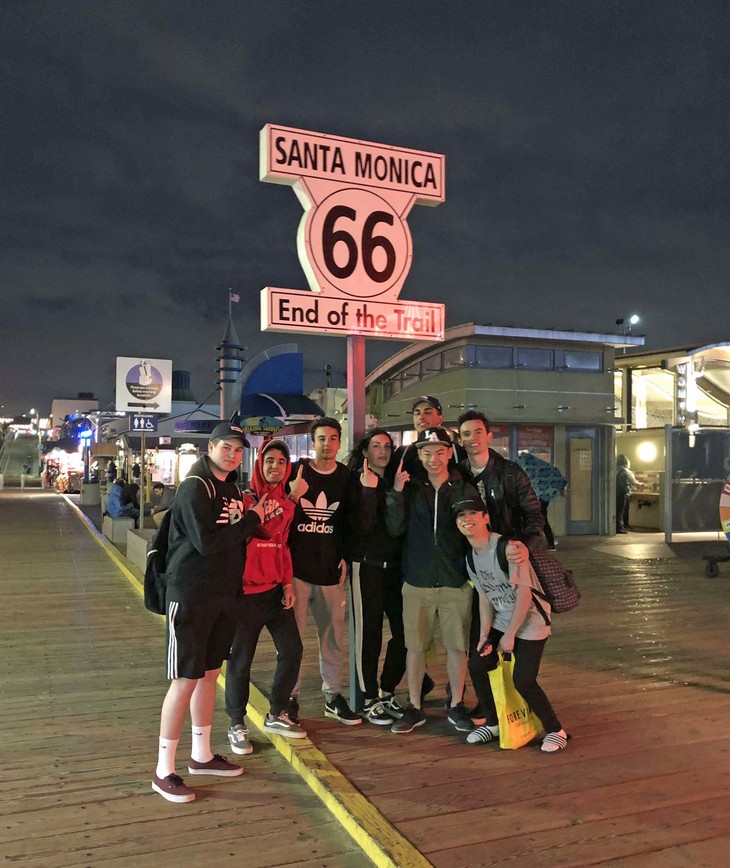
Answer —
(210, 522)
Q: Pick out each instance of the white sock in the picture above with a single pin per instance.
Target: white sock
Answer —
(201, 751)
(166, 757)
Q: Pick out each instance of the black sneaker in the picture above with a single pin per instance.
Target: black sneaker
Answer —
(412, 717)
(338, 709)
(375, 712)
(391, 705)
(459, 718)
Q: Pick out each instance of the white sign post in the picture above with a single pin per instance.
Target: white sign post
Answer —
(355, 248)
(143, 385)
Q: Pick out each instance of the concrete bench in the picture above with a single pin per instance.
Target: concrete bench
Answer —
(115, 529)
(90, 494)
(138, 543)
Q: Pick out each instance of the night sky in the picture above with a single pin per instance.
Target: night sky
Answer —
(586, 149)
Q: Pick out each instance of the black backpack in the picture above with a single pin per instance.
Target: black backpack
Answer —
(155, 584)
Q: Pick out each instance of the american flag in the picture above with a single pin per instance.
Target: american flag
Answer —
(234, 296)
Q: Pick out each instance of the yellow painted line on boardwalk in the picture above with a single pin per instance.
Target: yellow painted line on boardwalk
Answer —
(373, 833)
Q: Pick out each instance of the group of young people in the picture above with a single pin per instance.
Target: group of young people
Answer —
(401, 523)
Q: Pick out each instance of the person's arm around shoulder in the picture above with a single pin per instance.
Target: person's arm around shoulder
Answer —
(533, 520)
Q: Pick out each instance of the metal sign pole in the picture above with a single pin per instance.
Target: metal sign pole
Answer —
(141, 480)
(355, 430)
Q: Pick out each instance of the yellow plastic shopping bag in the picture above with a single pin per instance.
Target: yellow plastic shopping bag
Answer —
(518, 724)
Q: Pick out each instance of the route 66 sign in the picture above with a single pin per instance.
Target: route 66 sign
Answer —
(353, 240)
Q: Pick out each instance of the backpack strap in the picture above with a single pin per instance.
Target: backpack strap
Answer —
(540, 608)
(209, 487)
(502, 543)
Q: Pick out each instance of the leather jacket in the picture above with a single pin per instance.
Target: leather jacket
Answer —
(514, 509)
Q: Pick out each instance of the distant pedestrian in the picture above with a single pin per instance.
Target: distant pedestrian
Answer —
(165, 495)
(625, 481)
(110, 473)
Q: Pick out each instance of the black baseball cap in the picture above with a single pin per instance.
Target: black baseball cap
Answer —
(275, 444)
(433, 435)
(471, 504)
(428, 399)
(226, 431)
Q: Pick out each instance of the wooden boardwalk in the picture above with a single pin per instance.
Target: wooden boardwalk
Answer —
(81, 680)
(638, 674)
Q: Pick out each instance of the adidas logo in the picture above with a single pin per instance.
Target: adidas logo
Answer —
(320, 512)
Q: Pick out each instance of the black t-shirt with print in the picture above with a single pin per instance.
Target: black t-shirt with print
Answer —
(316, 536)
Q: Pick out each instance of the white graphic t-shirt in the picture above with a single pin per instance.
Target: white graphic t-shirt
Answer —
(489, 579)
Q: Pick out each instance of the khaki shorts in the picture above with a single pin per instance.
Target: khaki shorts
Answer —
(422, 605)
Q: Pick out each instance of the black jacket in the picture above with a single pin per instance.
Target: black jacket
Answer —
(366, 534)
(209, 526)
(432, 557)
(514, 509)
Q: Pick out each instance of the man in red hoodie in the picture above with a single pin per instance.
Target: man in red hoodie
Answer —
(267, 601)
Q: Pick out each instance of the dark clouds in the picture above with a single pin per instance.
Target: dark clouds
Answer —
(587, 173)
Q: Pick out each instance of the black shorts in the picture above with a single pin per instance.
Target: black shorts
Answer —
(199, 635)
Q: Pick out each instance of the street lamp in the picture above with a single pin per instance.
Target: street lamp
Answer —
(625, 323)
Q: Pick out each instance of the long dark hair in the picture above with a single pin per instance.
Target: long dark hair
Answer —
(355, 458)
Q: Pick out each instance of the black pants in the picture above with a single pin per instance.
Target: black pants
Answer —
(377, 591)
(623, 502)
(527, 654)
(547, 530)
(257, 611)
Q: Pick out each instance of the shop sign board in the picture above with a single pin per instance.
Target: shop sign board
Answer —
(353, 242)
(195, 426)
(143, 384)
(264, 425)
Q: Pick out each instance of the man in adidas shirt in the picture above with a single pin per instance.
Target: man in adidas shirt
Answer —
(209, 526)
(316, 542)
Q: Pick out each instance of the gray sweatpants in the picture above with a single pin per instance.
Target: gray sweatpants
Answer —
(327, 603)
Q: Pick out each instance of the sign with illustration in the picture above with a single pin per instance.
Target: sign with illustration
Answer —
(143, 384)
(353, 242)
(262, 425)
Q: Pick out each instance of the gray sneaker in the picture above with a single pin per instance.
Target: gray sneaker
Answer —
(238, 737)
(282, 724)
